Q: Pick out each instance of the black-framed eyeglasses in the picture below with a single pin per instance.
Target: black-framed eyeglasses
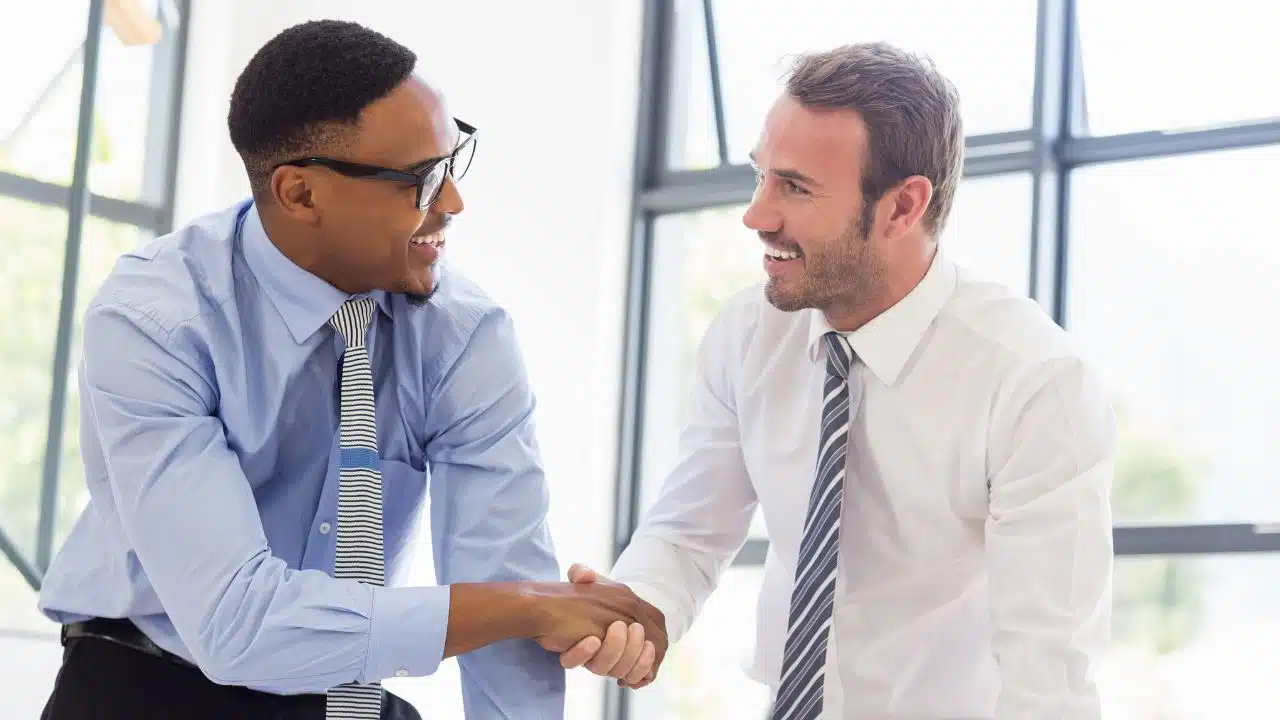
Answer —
(428, 176)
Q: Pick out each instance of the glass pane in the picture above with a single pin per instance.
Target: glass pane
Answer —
(989, 230)
(699, 261)
(126, 116)
(103, 243)
(35, 238)
(29, 649)
(1194, 639)
(691, 129)
(994, 79)
(1191, 62)
(42, 101)
(38, 120)
(702, 676)
(1160, 301)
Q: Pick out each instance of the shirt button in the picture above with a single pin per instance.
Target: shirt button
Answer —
(324, 528)
(402, 672)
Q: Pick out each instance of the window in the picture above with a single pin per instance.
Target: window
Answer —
(702, 675)
(1140, 223)
(1167, 305)
(989, 231)
(700, 261)
(1193, 638)
(29, 650)
(692, 142)
(755, 37)
(1183, 68)
(35, 241)
(38, 116)
(59, 249)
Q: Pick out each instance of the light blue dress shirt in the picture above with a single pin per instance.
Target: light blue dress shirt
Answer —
(209, 430)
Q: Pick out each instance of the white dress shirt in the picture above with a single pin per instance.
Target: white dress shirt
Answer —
(975, 550)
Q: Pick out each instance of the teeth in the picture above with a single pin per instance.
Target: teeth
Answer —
(433, 240)
(781, 254)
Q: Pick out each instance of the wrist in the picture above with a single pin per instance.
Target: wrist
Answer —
(484, 613)
(526, 607)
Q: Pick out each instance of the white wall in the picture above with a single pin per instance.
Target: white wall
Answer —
(552, 88)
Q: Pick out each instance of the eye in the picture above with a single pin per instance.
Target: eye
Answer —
(793, 188)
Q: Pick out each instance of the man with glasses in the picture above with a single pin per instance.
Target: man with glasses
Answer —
(269, 394)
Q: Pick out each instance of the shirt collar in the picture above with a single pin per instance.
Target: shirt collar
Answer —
(886, 343)
(305, 301)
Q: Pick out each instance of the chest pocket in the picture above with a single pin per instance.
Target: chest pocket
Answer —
(403, 492)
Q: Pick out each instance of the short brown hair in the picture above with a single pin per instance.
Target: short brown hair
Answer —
(911, 111)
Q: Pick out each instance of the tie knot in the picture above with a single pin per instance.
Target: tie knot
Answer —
(352, 320)
(839, 355)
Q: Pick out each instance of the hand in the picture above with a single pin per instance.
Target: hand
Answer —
(597, 615)
(624, 653)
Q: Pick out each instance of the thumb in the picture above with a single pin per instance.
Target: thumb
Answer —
(579, 573)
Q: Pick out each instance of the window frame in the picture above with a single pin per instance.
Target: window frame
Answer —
(160, 169)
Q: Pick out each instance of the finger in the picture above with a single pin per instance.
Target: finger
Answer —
(642, 667)
(615, 643)
(635, 646)
(575, 656)
(579, 573)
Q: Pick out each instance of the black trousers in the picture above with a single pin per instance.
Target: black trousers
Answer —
(101, 680)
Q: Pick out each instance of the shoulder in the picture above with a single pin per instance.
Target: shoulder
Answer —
(459, 318)
(173, 279)
(747, 336)
(1006, 327)
(1033, 360)
(747, 319)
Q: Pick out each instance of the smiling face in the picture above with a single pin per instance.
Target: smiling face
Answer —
(826, 246)
(368, 233)
(808, 209)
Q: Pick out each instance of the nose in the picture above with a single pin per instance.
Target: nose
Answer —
(449, 202)
(760, 214)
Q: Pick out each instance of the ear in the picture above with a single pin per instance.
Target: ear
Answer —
(906, 204)
(291, 188)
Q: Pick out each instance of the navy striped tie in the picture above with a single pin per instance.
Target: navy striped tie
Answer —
(804, 656)
(358, 548)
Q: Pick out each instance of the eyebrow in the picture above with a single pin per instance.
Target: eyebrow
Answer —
(786, 173)
(421, 164)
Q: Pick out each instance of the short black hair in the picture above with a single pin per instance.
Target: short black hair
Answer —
(305, 86)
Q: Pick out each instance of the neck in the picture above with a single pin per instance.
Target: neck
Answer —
(901, 277)
(296, 242)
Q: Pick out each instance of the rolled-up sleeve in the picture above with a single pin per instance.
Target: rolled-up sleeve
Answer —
(188, 513)
(489, 502)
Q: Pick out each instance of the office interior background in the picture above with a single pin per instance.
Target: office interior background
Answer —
(1123, 168)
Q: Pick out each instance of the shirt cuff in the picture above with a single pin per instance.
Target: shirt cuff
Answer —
(406, 632)
(668, 607)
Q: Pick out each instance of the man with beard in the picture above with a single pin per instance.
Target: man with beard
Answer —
(932, 458)
(269, 393)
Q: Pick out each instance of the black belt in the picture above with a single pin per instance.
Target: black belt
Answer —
(120, 632)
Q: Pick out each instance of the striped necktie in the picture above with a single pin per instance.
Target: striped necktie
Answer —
(804, 656)
(358, 548)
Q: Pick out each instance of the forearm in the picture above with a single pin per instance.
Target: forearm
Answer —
(481, 614)
(674, 577)
(286, 631)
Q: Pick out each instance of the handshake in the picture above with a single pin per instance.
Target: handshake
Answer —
(601, 625)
